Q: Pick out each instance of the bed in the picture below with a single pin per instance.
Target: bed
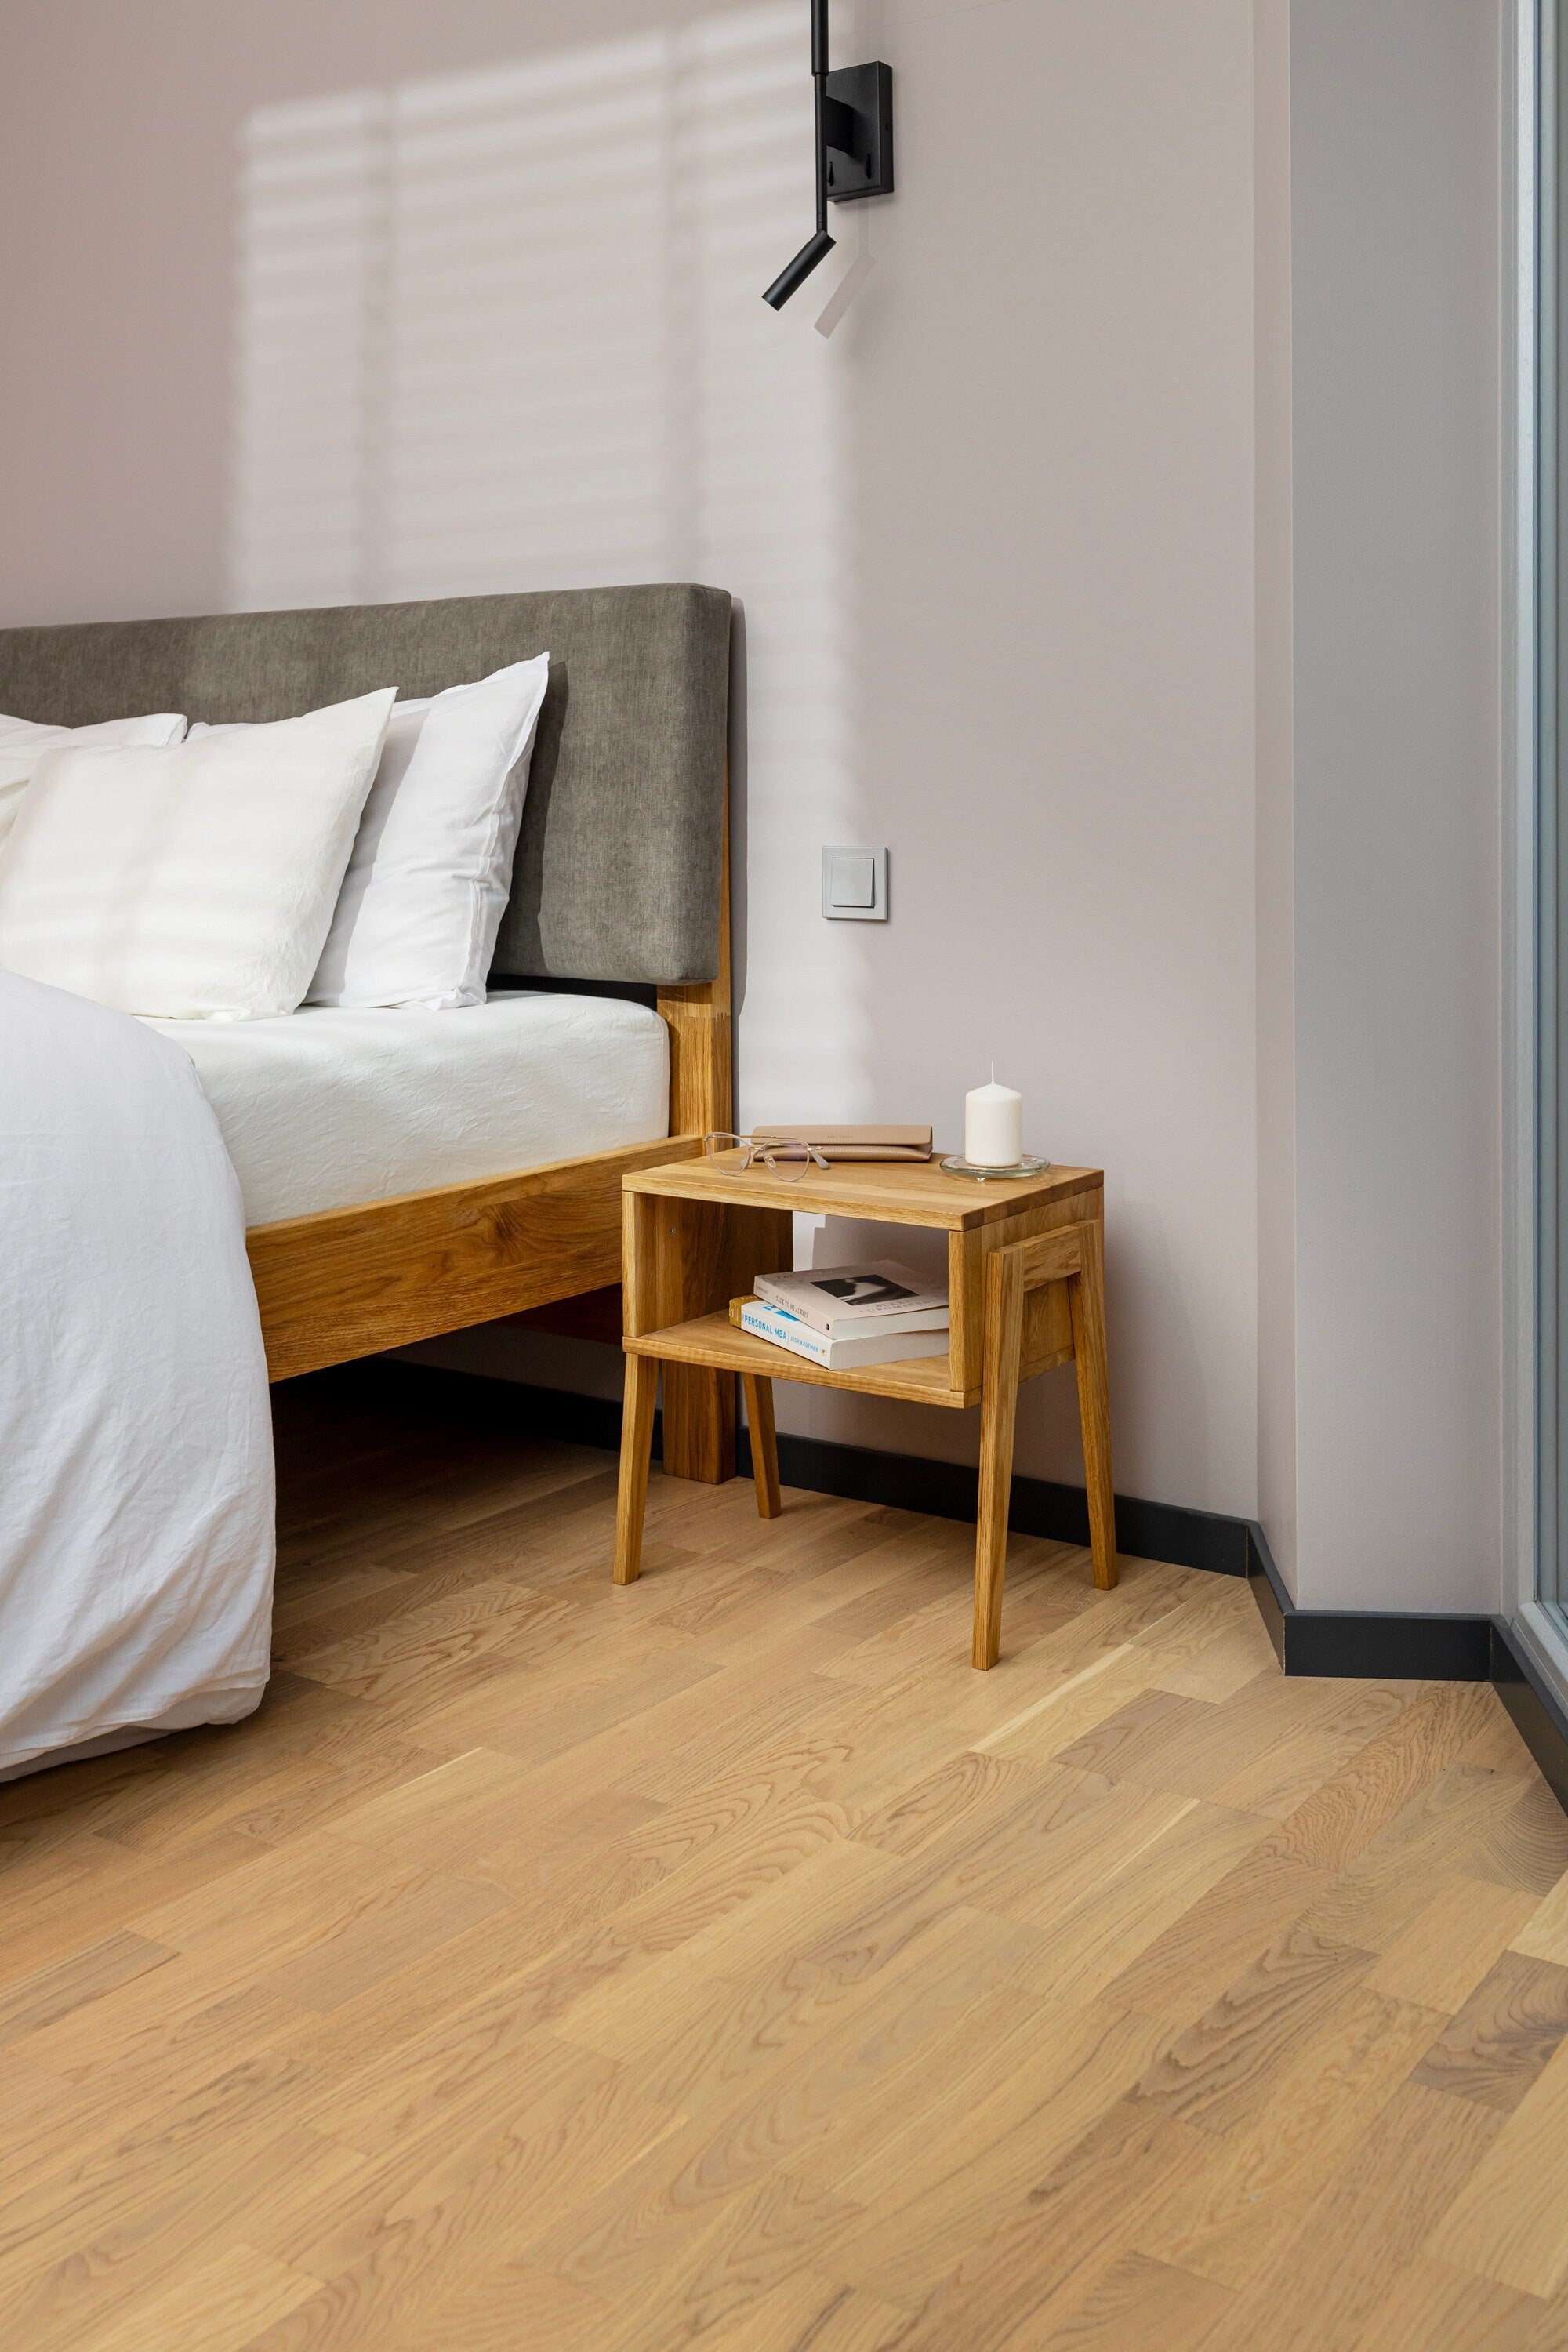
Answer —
(613, 959)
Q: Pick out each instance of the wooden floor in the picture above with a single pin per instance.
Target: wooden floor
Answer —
(724, 1961)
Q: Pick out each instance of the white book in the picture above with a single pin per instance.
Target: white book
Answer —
(836, 1300)
(842, 1353)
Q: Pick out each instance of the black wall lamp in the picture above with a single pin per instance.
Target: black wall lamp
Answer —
(854, 147)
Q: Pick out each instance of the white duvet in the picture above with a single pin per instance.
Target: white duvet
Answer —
(136, 1494)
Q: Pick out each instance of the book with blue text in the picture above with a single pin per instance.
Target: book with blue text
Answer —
(838, 1299)
(838, 1352)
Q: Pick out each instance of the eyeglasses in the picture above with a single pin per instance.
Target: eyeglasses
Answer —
(787, 1157)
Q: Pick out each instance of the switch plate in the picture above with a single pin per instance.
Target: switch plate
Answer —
(854, 884)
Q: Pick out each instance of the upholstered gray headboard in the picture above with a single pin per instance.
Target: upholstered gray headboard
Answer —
(618, 869)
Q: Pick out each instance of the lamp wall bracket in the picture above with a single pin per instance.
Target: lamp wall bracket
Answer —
(857, 132)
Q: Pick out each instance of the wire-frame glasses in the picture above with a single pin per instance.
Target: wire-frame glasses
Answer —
(786, 1156)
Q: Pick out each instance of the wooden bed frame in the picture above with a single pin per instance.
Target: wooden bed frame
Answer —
(621, 883)
(351, 1282)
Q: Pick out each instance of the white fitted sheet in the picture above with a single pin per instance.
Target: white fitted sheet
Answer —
(328, 1105)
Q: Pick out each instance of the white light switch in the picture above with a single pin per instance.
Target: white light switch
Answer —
(855, 884)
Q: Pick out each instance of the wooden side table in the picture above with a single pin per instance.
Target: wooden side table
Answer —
(1025, 1284)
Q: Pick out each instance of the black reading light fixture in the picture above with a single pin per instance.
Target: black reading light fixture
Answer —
(854, 147)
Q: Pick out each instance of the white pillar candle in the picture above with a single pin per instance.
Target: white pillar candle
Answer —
(993, 1125)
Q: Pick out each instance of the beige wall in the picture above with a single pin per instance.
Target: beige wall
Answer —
(1397, 110)
(383, 299)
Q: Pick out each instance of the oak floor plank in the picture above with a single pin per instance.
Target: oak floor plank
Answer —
(1088, 1694)
(762, 2096)
(1201, 1747)
(1048, 2251)
(1509, 2221)
(1220, 2070)
(1192, 1958)
(1430, 2304)
(1340, 1819)
(445, 1818)
(1544, 1935)
(53, 1909)
(1096, 1626)
(752, 2245)
(300, 1598)
(500, 2308)
(81, 2246)
(1291, 1767)
(1205, 1624)
(1391, 2196)
(1217, 1669)
(1103, 1930)
(709, 2033)
(1502, 2038)
(1236, 2211)
(42, 1998)
(850, 1912)
(1143, 2302)
(721, 1961)
(810, 2314)
(1528, 1848)
(1378, 1894)
(405, 2232)
(978, 2164)
(1004, 2092)
(967, 1792)
(383, 1624)
(299, 1785)
(535, 1975)
(219, 2305)
(1057, 1845)
(286, 1901)
(1498, 1746)
(1454, 1937)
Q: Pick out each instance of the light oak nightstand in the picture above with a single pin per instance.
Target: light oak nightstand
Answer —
(1026, 1285)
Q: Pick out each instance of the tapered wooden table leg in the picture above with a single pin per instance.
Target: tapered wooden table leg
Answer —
(699, 1423)
(1094, 1404)
(636, 1444)
(764, 1445)
(998, 1415)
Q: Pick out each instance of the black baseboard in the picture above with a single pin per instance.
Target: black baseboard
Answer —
(1538, 1717)
(950, 1490)
(1339, 1642)
(905, 1482)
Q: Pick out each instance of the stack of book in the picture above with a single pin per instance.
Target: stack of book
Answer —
(841, 1316)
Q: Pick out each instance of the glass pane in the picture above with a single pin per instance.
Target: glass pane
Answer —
(1550, 1305)
(1551, 842)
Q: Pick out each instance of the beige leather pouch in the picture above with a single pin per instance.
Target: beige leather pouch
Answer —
(854, 1142)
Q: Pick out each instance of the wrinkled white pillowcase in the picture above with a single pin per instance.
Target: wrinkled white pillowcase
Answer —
(430, 872)
(196, 882)
(23, 742)
(430, 875)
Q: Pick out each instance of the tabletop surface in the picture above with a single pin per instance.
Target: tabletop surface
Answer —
(905, 1193)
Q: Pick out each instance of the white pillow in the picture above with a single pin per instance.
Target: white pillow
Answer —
(23, 742)
(195, 883)
(431, 870)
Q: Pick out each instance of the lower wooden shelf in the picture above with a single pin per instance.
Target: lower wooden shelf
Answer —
(714, 1340)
